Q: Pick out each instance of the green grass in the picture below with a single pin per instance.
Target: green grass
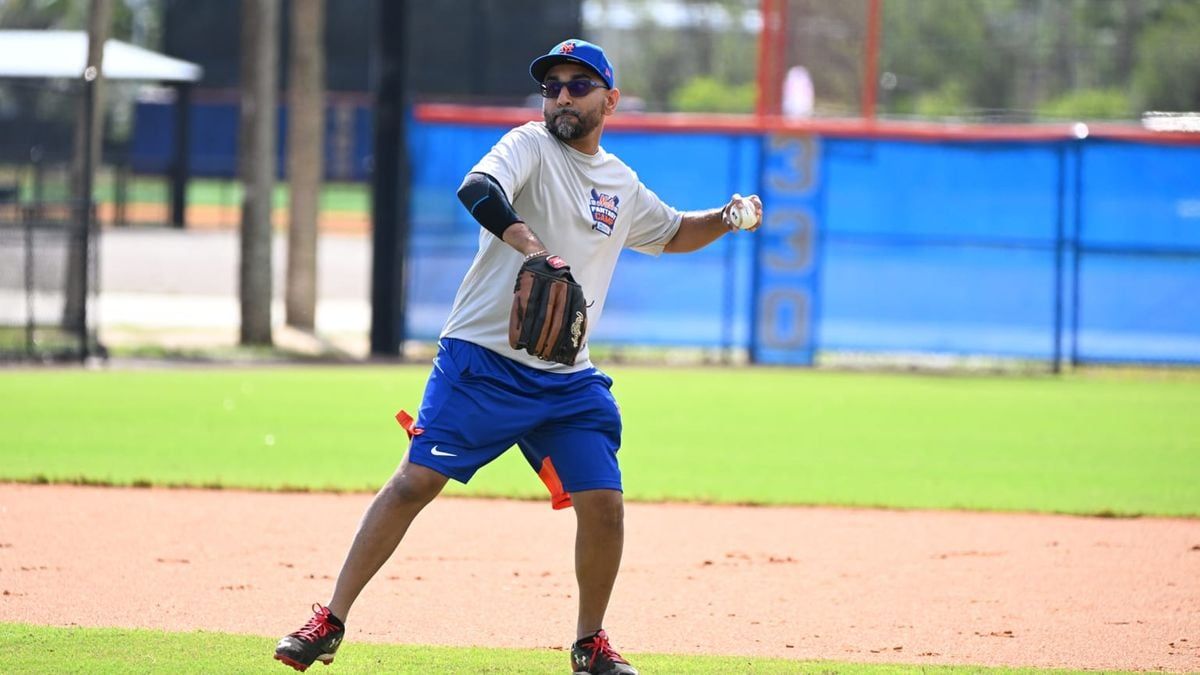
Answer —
(352, 197)
(1111, 443)
(146, 189)
(36, 649)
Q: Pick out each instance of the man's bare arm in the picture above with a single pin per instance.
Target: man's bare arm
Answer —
(698, 229)
(519, 236)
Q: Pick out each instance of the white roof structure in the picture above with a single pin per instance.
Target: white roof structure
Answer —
(63, 54)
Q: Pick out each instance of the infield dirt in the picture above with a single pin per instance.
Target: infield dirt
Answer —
(804, 583)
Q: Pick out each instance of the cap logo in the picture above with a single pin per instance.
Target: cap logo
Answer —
(574, 50)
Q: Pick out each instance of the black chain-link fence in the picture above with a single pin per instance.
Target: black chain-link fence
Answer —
(48, 242)
(47, 282)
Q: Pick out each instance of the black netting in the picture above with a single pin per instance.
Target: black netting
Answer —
(47, 281)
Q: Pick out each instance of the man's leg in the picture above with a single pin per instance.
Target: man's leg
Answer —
(599, 537)
(382, 527)
(578, 448)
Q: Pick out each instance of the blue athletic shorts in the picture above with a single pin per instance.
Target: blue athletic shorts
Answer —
(478, 404)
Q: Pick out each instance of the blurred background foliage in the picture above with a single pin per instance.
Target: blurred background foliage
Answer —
(709, 94)
(136, 21)
(975, 60)
(1020, 60)
(980, 60)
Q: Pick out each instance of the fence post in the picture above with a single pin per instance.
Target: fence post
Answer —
(1077, 251)
(87, 179)
(1059, 226)
(756, 254)
(181, 165)
(27, 216)
(730, 260)
(390, 183)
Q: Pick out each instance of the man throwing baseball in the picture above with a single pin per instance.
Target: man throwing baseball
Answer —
(512, 366)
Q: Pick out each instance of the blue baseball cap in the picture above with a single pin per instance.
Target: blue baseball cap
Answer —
(574, 51)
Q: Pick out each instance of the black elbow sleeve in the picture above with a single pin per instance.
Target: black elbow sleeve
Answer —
(485, 200)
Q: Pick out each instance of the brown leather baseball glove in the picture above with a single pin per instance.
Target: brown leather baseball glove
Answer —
(549, 312)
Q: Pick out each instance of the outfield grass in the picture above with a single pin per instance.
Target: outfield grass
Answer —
(1113, 443)
(335, 196)
(341, 196)
(36, 649)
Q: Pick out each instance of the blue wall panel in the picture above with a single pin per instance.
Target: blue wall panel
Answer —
(1141, 196)
(968, 191)
(934, 298)
(1134, 308)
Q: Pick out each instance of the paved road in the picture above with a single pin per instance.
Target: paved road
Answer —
(178, 279)
(206, 263)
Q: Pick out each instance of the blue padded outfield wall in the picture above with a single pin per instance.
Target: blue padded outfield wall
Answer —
(1062, 251)
(1084, 251)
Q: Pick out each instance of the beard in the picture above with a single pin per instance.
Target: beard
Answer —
(568, 124)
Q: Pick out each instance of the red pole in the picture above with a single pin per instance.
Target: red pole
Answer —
(779, 56)
(772, 52)
(871, 60)
(765, 48)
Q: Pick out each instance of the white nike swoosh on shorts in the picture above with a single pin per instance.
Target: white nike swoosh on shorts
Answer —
(438, 453)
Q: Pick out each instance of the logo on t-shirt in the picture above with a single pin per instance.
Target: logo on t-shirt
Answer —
(604, 211)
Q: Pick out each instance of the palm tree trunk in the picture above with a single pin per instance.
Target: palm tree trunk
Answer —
(89, 129)
(306, 155)
(256, 163)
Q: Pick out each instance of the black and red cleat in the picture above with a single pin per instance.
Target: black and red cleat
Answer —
(318, 640)
(593, 655)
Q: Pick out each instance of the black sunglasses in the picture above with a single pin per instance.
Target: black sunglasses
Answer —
(576, 88)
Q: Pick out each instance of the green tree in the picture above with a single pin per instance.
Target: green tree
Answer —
(948, 52)
(708, 94)
(65, 15)
(949, 100)
(827, 39)
(655, 57)
(1008, 60)
(1080, 104)
(1014, 57)
(1167, 75)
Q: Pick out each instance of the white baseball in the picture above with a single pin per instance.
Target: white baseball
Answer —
(742, 214)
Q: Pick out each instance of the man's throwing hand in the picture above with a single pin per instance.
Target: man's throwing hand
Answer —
(549, 313)
(742, 213)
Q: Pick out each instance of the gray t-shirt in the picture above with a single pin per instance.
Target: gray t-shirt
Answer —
(584, 208)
